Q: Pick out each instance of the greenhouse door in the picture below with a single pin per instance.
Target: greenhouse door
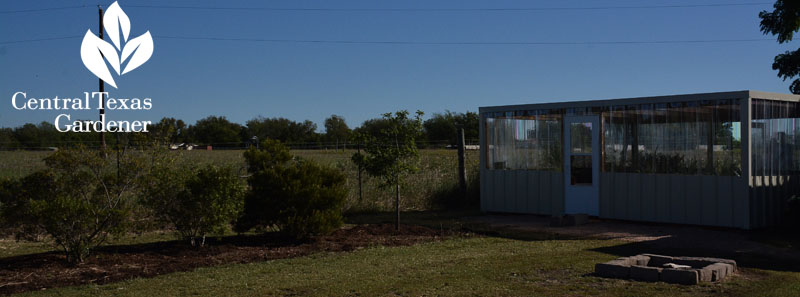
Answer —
(582, 165)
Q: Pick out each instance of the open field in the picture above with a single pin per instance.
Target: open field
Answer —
(498, 263)
(438, 169)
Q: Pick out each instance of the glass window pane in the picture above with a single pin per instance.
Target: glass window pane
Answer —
(705, 137)
(607, 141)
(581, 170)
(617, 127)
(661, 145)
(581, 134)
(523, 140)
(774, 138)
(688, 138)
(646, 146)
(488, 130)
(693, 154)
(727, 138)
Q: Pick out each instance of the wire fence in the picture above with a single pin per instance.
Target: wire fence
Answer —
(239, 145)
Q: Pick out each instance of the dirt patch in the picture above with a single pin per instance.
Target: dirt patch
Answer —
(116, 263)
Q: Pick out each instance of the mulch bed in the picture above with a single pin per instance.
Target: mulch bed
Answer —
(117, 263)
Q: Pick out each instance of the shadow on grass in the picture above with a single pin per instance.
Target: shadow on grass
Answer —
(781, 236)
(678, 246)
(746, 247)
(455, 221)
(169, 248)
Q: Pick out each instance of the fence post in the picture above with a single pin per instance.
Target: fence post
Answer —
(462, 168)
(359, 174)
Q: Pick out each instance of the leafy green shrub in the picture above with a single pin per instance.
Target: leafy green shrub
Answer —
(196, 201)
(165, 181)
(9, 196)
(298, 196)
(79, 200)
(16, 197)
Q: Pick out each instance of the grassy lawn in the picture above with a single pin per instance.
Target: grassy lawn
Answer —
(487, 266)
(503, 264)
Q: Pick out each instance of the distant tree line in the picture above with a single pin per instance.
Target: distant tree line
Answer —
(218, 131)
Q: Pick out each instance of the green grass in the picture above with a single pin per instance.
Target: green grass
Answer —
(484, 266)
(508, 263)
(10, 247)
(20, 163)
(438, 169)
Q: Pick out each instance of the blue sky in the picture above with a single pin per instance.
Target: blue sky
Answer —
(191, 79)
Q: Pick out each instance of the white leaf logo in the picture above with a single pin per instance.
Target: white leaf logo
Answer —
(95, 52)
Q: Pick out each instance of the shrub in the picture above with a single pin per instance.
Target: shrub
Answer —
(300, 197)
(16, 197)
(8, 196)
(197, 201)
(79, 200)
(165, 181)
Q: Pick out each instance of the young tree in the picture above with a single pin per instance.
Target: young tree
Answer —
(784, 21)
(392, 153)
